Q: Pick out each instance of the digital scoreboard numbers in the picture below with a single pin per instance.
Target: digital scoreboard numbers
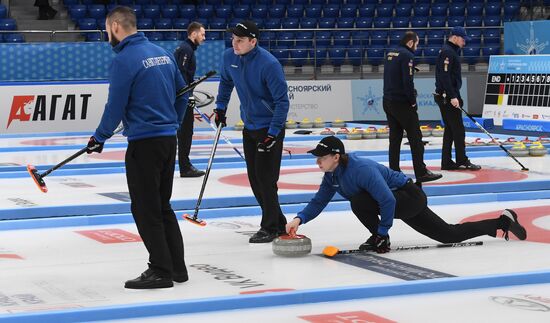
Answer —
(518, 87)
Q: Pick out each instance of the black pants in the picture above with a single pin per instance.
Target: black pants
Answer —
(413, 210)
(454, 132)
(185, 138)
(150, 172)
(263, 174)
(401, 116)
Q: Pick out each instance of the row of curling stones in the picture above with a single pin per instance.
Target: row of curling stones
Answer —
(521, 150)
(358, 133)
(428, 131)
(291, 245)
(316, 123)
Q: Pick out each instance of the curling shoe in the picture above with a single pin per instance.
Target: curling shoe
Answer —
(149, 280)
(180, 277)
(191, 172)
(512, 225)
(369, 245)
(263, 236)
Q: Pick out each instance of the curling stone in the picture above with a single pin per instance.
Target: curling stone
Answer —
(318, 123)
(519, 149)
(438, 131)
(426, 131)
(383, 132)
(537, 149)
(306, 123)
(342, 131)
(239, 125)
(338, 123)
(327, 132)
(290, 124)
(526, 140)
(291, 246)
(493, 142)
(543, 140)
(370, 133)
(355, 134)
(510, 141)
(478, 142)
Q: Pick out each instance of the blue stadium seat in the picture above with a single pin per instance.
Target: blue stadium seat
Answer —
(100, 24)
(421, 10)
(96, 11)
(379, 37)
(161, 2)
(437, 21)
(320, 56)
(163, 23)
(137, 10)
(170, 36)
(94, 37)
(337, 56)
(86, 24)
(169, 11)
(313, 11)
(375, 56)
(395, 37)
(308, 23)
(285, 38)
(218, 23)
(327, 22)
(403, 10)
(341, 38)
(140, 2)
(331, 11)
(302, 2)
(473, 21)
(343, 22)
(230, 2)
(202, 21)
(419, 22)
(298, 56)
(214, 35)
(259, 22)
(226, 11)
(493, 9)
(67, 3)
(272, 23)
(384, 10)
(453, 21)
(295, 11)
(248, 2)
(491, 36)
(180, 23)
(323, 38)
(490, 50)
(87, 2)
(360, 38)
(435, 37)
(471, 54)
(259, 11)
(382, 22)
(151, 11)
(400, 22)
(430, 54)
(474, 9)
(277, 11)
(492, 21)
(125, 2)
(304, 39)
(78, 11)
(187, 12)
(266, 39)
(283, 2)
(363, 22)
(14, 38)
(205, 11)
(367, 10)
(241, 12)
(290, 23)
(281, 54)
(355, 55)
(421, 37)
(439, 9)
(145, 23)
(475, 36)
(317, 2)
(457, 9)
(511, 8)
(154, 35)
(348, 11)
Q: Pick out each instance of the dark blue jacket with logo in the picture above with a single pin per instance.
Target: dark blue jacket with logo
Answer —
(187, 62)
(260, 83)
(143, 80)
(448, 74)
(360, 175)
(399, 76)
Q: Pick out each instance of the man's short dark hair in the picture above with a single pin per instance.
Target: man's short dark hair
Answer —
(194, 26)
(409, 35)
(124, 16)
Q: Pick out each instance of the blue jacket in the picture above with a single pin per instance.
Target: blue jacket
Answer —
(143, 80)
(359, 175)
(187, 62)
(399, 75)
(260, 82)
(448, 73)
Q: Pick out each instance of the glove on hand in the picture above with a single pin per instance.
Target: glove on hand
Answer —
(220, 118)
(191, 103)
(94, 146)
(266, 145)
(382, 243)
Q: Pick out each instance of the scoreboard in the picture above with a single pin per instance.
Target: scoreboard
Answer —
(518, 87)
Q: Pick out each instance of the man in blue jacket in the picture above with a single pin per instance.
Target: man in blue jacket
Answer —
(374, 189)
(399, 103)
(143, 81)
(261, 86)
(448, 81)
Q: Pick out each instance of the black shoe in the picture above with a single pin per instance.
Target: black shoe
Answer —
(428, 177)
(452, 166)
(262, 236)
(191, 172)
(467, 165)
(513, 225)
(180, 277)
(149, 280)
(369, 245)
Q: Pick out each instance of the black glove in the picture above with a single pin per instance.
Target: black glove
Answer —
(220, 118)
(94, 146)
(191, 103)
(382, 243)
(265, 145)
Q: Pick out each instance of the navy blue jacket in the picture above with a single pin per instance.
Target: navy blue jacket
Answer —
(187, 62)
(260, 83)
(399, 76)
(448, 75)
(143, 80)
(361, 174)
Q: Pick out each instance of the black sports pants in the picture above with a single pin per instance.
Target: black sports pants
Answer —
(263, 174)
(412, 208)
(454, 132)
(150, 172)
(185, 137)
